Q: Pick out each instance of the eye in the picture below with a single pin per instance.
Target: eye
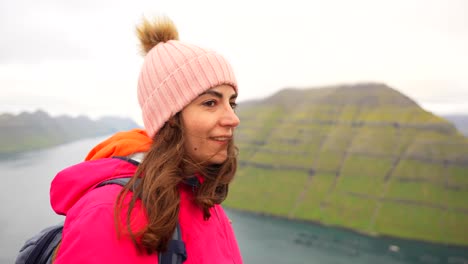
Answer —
(233, 105)
(209, 103)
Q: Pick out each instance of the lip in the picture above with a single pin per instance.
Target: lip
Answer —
(225, 139)
(229, 136)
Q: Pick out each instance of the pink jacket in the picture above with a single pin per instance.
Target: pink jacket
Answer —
(89, 234)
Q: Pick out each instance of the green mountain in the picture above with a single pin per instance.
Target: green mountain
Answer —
(363, 157)
(28, 131)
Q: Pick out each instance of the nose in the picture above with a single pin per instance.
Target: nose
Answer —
(229, 118)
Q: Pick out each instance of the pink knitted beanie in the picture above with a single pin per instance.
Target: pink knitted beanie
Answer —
(174, 73)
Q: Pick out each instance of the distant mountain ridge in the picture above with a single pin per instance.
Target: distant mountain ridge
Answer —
(460, 121)
(28, 131)
(363, 156)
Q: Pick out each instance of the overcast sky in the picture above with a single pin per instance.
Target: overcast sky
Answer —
(81, 57)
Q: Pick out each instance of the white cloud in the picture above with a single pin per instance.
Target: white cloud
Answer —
(81, 57)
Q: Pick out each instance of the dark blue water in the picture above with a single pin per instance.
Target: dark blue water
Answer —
(26, 210)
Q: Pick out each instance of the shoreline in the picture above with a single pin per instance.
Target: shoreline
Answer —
(358, 232)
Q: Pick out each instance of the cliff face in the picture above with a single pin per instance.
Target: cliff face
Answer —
(364, 156)
(28, 131)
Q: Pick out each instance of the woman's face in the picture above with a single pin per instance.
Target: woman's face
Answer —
(209, 122)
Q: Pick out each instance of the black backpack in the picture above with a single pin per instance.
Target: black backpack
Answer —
(40, 248)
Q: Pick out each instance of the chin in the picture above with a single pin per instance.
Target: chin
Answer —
(218, 159)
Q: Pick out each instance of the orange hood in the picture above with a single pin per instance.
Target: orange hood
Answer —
(121, 144)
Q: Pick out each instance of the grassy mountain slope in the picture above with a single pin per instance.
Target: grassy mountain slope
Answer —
(362, 156)
(28, 131)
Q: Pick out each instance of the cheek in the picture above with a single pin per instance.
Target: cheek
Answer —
(195, 148)
(194, 139)
(198, 128)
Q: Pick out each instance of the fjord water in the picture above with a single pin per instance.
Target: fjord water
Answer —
(262, 239)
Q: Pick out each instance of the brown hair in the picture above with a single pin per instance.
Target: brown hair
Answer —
(162, 170)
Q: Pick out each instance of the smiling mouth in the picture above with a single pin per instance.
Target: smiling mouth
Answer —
(221, 139)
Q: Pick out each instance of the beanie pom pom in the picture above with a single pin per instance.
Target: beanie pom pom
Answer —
(151, 33)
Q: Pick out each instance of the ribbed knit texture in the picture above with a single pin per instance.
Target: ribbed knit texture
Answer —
(173, 74)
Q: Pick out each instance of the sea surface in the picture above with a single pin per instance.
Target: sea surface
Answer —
(25, 209)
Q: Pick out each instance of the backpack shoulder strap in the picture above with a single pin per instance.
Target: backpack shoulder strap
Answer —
(39, 249)
(176, 253)
(119, 181)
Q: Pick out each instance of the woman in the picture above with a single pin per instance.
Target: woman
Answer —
(187, 95)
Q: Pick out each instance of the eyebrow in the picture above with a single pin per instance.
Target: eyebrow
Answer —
(218, 94)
